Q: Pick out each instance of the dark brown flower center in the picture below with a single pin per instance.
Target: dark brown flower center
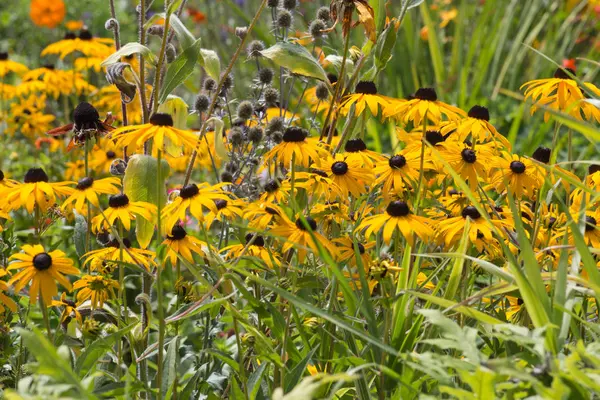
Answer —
(479, 112)
(42, 261)
(365, 87)
(318, 172)
(115, 243)
(434, 137)
(111, 154)
(258, 241)
(118, 200)
(355, 145)
(468, 155)
(221, 204)
(35, 175)
(69, 36)
(517, 167)
(561, 74)
(161, 119)
(590, 223)
(295, 134)
(398, 209)
(85, 35)
(85, 115)
(308, 224)
(1, 175)
(361, 248)
(85, 183)
(271, 210)
(3, 56)
(542, 154)
(189, 191)
(592, 169)
(428, 94)
(339, 168)
(48, 66)
(470, 212)
(177, 233)
(398, 161)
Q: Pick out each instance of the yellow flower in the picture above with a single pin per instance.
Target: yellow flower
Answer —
(399, 173)
(43, 270)
(53, 82)
(302, 235)
(70, 309)
(194, 198)
(5, 301)
(86, 44)
(7, 66)
(261, 215)
(95, 288)
(160, 130)
(357, 149)
(255, 250)
(120, 208)
(347, 253)
(178, 242)
(75, 170)
(348, 175)
(364, 96)
(102, 156)
(73, 25)
(470, 163)
(47, 13)
(515, 173)
(88, 189)
(97, 259)
(226, 210)
(476, 128)
(316, 182)
(397, 215)
(108, 99)
(35, 191)
(295, 145)
(424, 105)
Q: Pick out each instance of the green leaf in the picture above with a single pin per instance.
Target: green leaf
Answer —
(293, 377)
(93, 352)
(385, 46)
(220, 148)
(467, 311)
(255, 379)
(184, 36)
(179, 70)
(210, 61)
(170, 365)
(79, 234)
(140, 184)
(127, 50)
(295, 58)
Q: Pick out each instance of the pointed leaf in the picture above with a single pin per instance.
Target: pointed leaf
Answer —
(179, 70)
(295, 58)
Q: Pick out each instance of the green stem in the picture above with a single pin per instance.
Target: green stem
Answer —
(45, 315)
(159, 285)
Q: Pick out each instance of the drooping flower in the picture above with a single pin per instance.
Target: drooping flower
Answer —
(112, 251)
(255, 249)
(87, 191)
(178, 242)
(515, 173)
(7, 66)
(35, 191)
(425, 104)
(95, 288)
(295, 145)
(364, 97)
(120, 208)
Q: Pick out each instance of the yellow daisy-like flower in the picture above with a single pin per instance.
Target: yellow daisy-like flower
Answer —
(43, 270)
(255, 250)
(276, 191)
(195, 198)
(97, 259)
(515, 173)
(476, 128)
(3, 216)
(226, 210)
(88, 189)
(86, 44)
(5, 183)
(261, 215)
(397, 216)
(102, 156)
(35, 191)
(348, 175)
(30, 124)
(453, 202)
(108, 99)
(5, 301)
(75, 170)
(299, 235)
(424, 104)
(399, 173)
(357, 149)
(331, 212)
(345, 246)
(7, 92)
(120, 208)
(364, 97)
(70, 309)
(54, 82)
(95, 288)
(559, 93)
(160, 130)
(178, 242)
(7, 66)
(295, 145)
(592, 230)
(470, 163)
(316, 182)
(450, 230)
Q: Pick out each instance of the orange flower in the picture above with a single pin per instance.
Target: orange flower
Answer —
(48, 13)
(74, 25)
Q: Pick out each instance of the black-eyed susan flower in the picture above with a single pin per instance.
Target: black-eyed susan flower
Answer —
(295, 145)
(5, 183)
(69, 311)
(347, 252)
(195, 198)
(43, 270)
(95, 288)
(476, 128)
(453, 202)
(160, 130)
(515, 173)
(7, 66)
(96, 259)
(591, 234)
(317, 183)
(357, 149)
(450, 230)
(120, 208)
(5, 301)
(399, 173)
(541, 156)
(470, 163)
(3, 217)
(331, 212)
(178, 242)
(261, 215)
(35, 191)
(349, 175)
(276, 191)
(364, 97)
(102, 156)
(108, 99)
(227, 210)
(87, 191)
(75, 170)
(256, 249)
(299, 235)
(425, 104)
(85, 126)
(85, 43)
(397, 216)
(53, 82)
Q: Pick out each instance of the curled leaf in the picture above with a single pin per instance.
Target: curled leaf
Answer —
(114, 75)
(127, 50)
(295, 58)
